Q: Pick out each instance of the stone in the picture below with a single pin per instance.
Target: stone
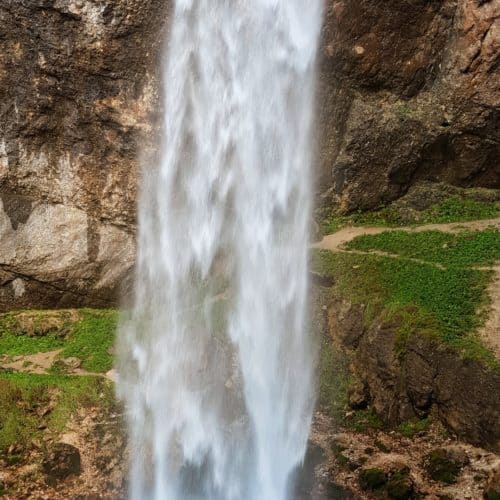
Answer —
(61, 461)
(79, 87)
(357, 395)
(72, 363)
(407, 387)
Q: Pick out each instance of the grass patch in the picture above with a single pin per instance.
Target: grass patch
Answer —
(452, 209)
(467, 248)
(412, 427)
(25, 397)
(92, 340)
(364, 421)
(440, 303)
(459, 209)
(86, 334)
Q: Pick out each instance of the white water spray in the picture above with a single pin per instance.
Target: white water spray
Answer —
(215, 360)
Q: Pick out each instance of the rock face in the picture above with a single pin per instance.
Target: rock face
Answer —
(402, 384)
(408, 91)
(78, 88)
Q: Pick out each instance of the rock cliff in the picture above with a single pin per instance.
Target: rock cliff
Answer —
(409, 90)
(78, 87)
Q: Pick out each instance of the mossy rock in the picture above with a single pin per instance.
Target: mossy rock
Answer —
(400, 485)
(440, 466)
(492, 495)
(40, 323)
(372, 479)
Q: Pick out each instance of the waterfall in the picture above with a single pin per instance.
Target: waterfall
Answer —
(215, 359)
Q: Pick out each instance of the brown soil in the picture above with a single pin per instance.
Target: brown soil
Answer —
(38, 363)
(41, 362)
(98, 437)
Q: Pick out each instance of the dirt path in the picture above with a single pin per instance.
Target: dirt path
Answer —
(490, 331)
(336, 240)
(41, 362)
(38, 363)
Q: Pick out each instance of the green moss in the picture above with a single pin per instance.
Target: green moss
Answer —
(400, 486)
(462, 249)
(86, 334)
(16, 345)
(92, 340)
(25, 397)
(364, 421)
(372, 479)
(382, 447)
(492, 495)
(440, 303)
(413, 427)
(460, 209)
(334, 380)
(440, 467)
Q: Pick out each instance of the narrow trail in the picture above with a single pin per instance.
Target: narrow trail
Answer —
(40, 363)
(336, 240)
(490, 331)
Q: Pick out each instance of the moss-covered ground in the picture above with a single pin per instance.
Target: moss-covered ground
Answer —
(32, 405)
(439, 303)
(463, 249)
(430, 283)
(85, 334)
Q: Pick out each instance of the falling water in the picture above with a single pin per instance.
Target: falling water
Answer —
(216, 366)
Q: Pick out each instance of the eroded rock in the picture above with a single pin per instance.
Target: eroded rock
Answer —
(61, 461)
(395, 77)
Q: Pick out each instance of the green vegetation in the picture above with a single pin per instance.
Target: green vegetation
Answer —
(86, 334)
(414, 427)
(419, 297)
(441, 467)
(364, 421)
(492, 495)
(372, 479)
(452, 209)
(467, 248)
(92, 340)
(32, 404)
